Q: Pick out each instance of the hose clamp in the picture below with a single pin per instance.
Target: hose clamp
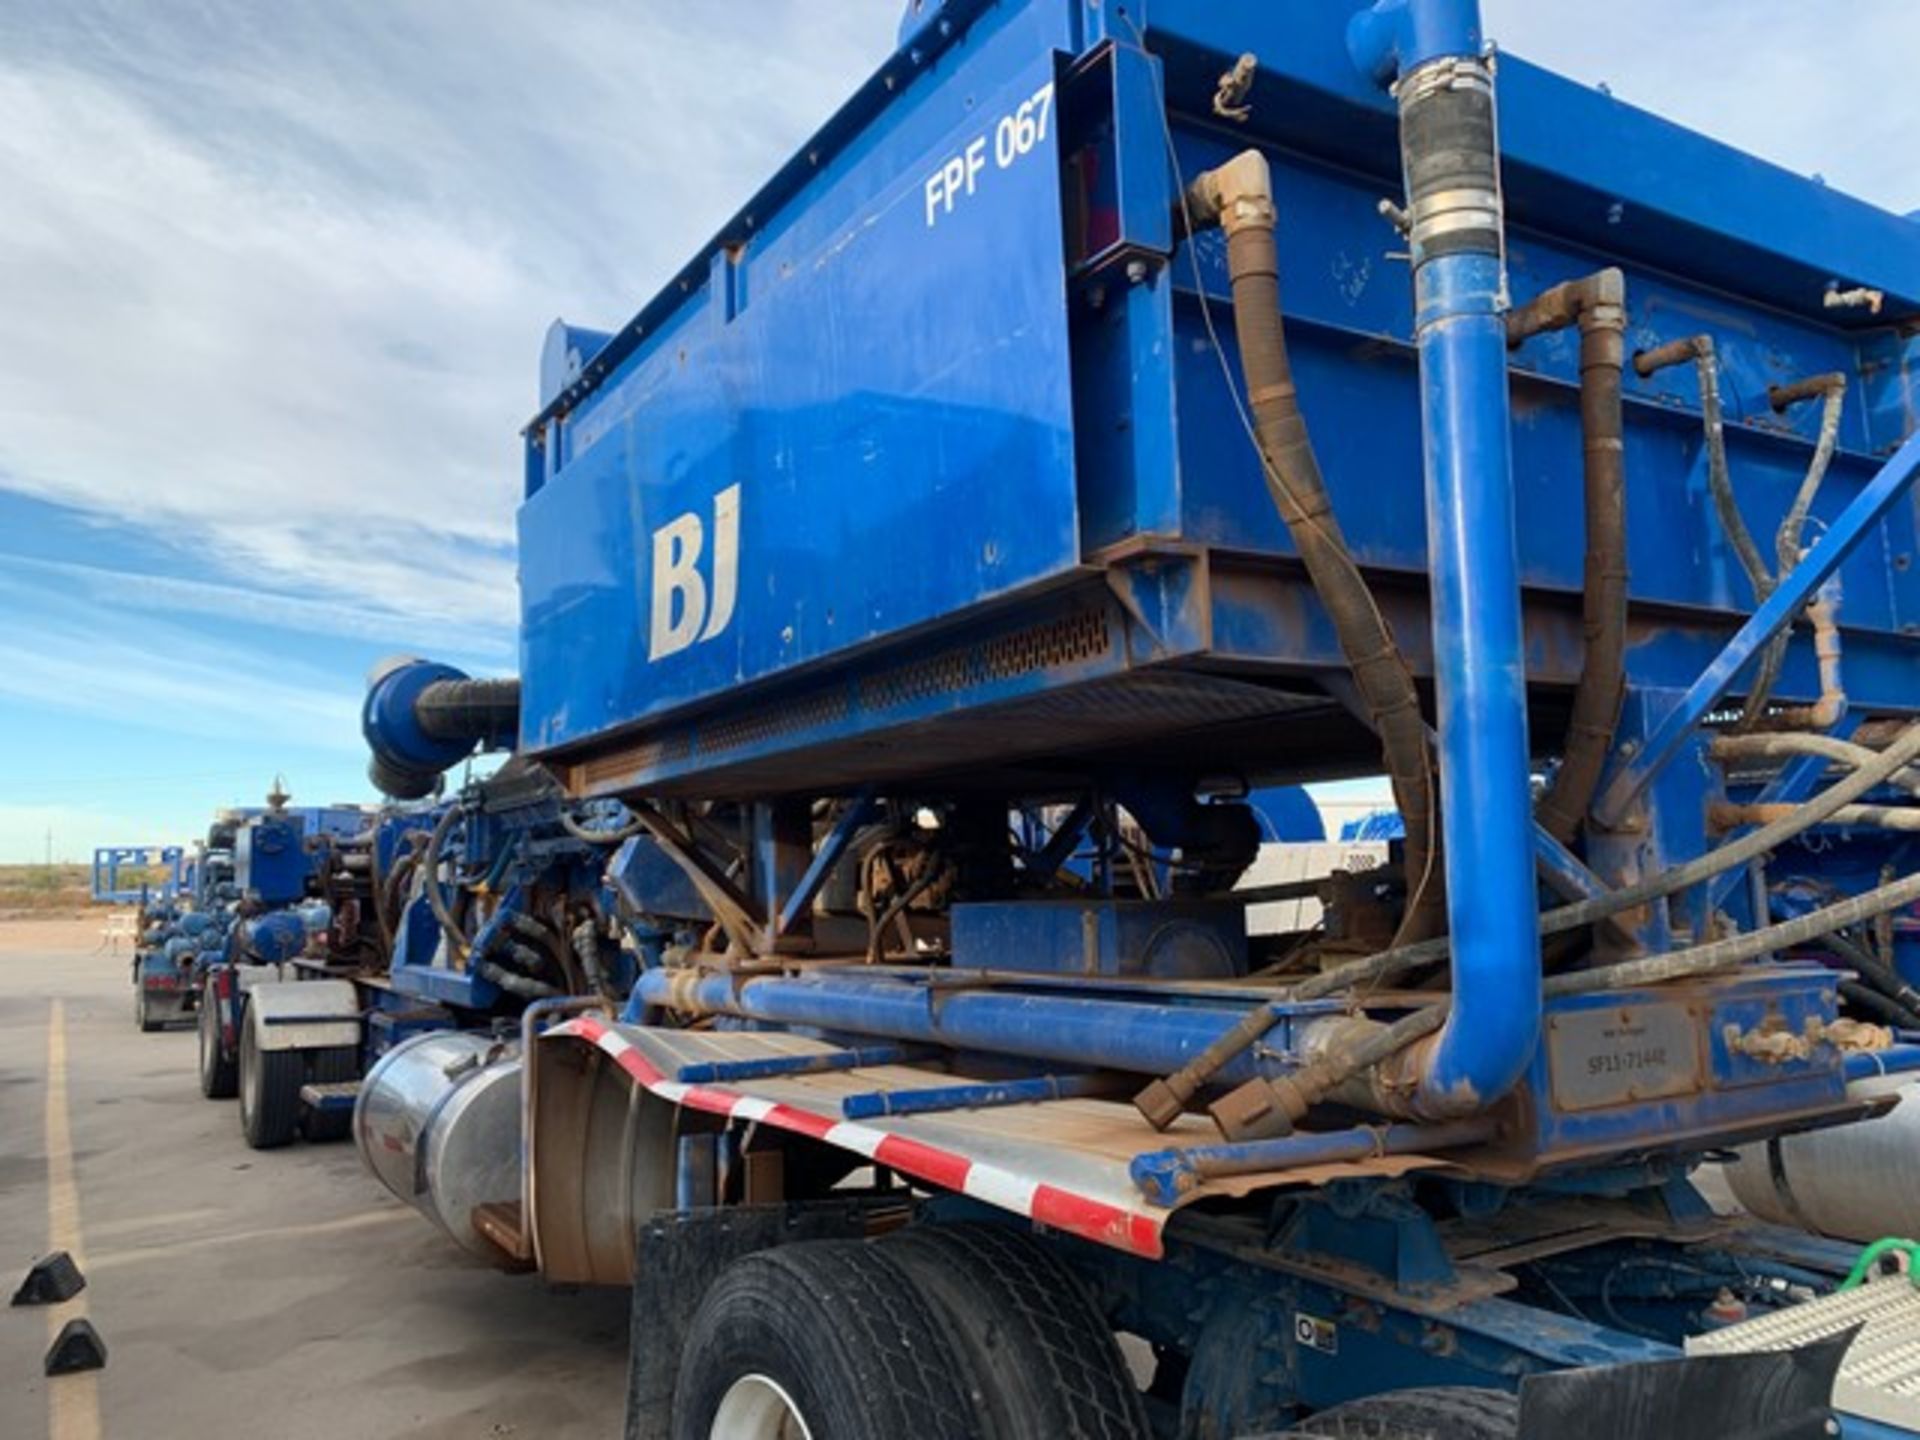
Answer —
(1456, 72)
(1449, 212)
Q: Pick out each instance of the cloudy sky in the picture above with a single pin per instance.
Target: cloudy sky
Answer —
(274, 282)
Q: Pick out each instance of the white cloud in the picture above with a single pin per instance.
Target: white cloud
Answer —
(277, 276)
(142, 592)
(1824, 89)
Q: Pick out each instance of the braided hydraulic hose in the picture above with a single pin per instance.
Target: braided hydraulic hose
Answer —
(1788, 744)
(1699, 349)
(430, 882)
(1896, 757)
(1239, 197)
(1787, 551)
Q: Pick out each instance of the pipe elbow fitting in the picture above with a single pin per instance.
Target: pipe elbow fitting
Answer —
(1648, 363)
(1236, 196)
(1782, 398)
(1596, 303)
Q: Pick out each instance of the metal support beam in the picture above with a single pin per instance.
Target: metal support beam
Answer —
(832, 847)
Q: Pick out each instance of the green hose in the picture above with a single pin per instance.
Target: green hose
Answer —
(1870, 1257)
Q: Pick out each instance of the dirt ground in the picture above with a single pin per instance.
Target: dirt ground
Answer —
(240, 1294)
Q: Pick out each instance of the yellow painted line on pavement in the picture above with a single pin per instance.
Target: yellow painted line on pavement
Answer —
(73, 1401)
(140, 1254)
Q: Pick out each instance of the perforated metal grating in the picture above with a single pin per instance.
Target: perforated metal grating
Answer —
(1880, 1378)
(1080, 636)
(756, 727)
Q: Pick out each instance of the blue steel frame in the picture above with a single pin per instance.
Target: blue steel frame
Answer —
(108, 861)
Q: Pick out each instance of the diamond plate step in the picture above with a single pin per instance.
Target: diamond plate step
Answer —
(1880, 1378)
(339, 1096)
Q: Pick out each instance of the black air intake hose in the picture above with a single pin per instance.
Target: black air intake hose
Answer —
(471, 710)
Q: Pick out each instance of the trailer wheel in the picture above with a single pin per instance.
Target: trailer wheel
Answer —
(143, 1010)
(270, 1083)
(1446, 1412)
(334, 1065)
(819, 1340)
(1036, 1345)
(219, 1079)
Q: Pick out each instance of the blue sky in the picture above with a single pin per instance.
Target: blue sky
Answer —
(275, 280)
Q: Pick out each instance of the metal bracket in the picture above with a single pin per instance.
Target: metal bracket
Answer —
(730, 908)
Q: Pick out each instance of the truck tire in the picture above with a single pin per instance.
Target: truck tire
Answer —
(143, 1010)
(827, 1335)
(335, 1065)
(270, 1082)
(1034, 1343)
(219, 1079)
(1443, 1412)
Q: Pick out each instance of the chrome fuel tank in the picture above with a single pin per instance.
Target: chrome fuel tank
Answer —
(438, 1123)
(1853, 1182)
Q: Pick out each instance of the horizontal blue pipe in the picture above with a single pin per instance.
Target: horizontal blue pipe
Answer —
(1165, 1176)
(983, 1095)
(1142, 1038)
(1849, 528)
(1898, 1060)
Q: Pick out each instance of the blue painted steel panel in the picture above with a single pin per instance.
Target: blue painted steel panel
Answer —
(858, 381)
(1350, 332)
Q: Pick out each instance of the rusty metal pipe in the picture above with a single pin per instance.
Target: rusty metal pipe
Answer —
(1831, 707)
(1597, 305)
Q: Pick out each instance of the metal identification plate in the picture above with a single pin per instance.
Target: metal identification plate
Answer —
(1622, 1054)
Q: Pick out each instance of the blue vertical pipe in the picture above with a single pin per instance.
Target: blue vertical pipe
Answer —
(1431, 50)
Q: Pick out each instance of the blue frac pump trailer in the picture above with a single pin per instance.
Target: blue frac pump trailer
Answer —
(358, 929)
(1115, 409)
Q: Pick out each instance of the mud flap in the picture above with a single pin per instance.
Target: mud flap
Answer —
(1778, 1395)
